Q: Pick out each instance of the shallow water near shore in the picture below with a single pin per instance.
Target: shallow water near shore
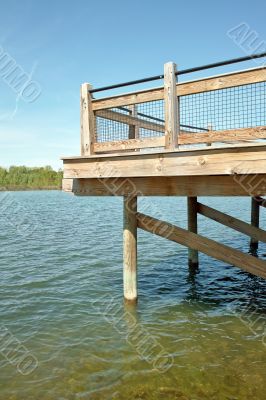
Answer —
(190, 337)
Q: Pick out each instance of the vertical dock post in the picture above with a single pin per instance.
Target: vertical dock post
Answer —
(193, 256)
(133, 132)
(171, 106)
(255, 221)
(87, 121)
(130, 248)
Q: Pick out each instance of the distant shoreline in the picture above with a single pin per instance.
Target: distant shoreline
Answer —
(22, 178)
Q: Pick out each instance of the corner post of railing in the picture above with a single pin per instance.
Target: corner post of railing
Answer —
(171, 106)
(87, 120)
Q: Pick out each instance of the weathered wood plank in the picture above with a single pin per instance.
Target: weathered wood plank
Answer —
(167, 186)
(220, 161)
(142, 143)
(184, 138)
(236, 145)
(223, 81)
(195, 86)
(127, 99)
(87, 121)
(170, 106)
(222, 136)
(232, 222)
(208, 246)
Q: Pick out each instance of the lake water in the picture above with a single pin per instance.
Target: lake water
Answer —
(66, 334)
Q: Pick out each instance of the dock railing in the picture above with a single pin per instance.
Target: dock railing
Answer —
(224, 108)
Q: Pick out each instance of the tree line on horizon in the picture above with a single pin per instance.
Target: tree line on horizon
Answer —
(22, 177)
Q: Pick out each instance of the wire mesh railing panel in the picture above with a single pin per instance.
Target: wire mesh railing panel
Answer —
(141, 120)
(225, 109)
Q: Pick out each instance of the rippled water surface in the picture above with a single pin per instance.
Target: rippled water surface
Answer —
(190, 337)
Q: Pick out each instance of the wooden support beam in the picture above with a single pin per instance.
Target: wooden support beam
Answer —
(130, 249)
(208, 246)
(193, 256)
(255, 222)
(231, 222)
(170, 106)
(87, 120)
(166, 186)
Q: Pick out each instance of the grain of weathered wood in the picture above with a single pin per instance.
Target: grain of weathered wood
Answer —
(223, 81)
(87, 120)
(165, 186)
(236, 145)
(208, 246)
(232, 222)
(220, 161)
(170, 106)
(142, 143)
(195, 86)
(130, 248)
(129, 98)
(183, 138)
(223, 136)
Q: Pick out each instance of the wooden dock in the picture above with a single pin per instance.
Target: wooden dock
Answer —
(198, 138)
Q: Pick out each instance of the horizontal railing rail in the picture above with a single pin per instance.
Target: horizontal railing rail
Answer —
(181, 72)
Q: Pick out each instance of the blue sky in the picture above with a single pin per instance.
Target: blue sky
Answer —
(61, 44)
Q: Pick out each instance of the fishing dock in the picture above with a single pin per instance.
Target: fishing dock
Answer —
(203, 137)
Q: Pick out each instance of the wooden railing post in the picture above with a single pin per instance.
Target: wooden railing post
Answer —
(133, 132)
(87, 120)
(171, 106)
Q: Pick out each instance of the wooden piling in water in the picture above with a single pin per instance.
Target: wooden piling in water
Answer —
(255, 221)
(193, 256)
(130, 249)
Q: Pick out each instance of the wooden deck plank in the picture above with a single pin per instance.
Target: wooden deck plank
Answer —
(237, 145)
(222, 161)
